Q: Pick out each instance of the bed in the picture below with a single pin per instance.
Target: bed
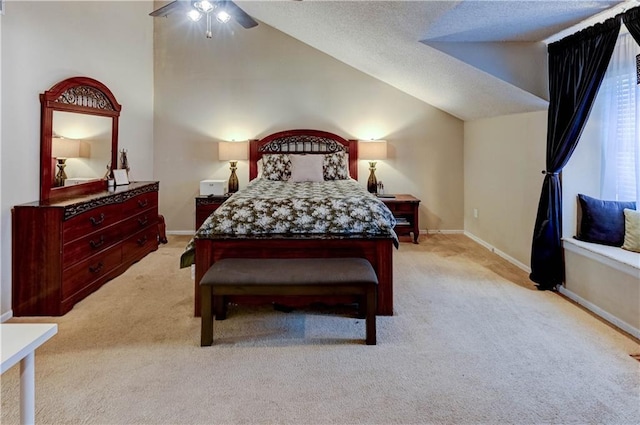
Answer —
(273, 217)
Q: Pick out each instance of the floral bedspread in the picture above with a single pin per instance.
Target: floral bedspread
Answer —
(336, 207)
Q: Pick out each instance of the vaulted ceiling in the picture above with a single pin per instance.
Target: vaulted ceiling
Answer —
(472, 59)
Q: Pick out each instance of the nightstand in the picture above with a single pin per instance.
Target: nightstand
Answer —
(205, 205)
(405, 210)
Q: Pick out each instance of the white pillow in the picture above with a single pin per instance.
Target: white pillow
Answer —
(631, 230)
(306, 168)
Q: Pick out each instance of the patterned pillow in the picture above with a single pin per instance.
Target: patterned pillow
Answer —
(335, 167)
(276, 167)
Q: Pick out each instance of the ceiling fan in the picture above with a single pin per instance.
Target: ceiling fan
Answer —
(223, 10)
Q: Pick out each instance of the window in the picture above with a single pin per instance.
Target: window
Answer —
(616, 108)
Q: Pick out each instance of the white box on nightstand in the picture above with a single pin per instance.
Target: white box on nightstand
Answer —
(213, 187)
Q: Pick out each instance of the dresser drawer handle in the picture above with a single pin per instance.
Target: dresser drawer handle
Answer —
(97, 268)
(143, 204)
(97, 244)
(97, 221)
(143, 221)
(142, 240)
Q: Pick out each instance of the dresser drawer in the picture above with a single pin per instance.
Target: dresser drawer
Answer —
(87, 246)
(88, 271)
(140, 203)
(139, 222)
(138, 245)
(90, 221)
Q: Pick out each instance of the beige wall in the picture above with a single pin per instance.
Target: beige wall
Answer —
(503, 160)
(2, 285)
(45, 42)
(250, 83)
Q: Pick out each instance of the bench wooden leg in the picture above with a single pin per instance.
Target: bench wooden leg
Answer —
(371, 315)
(206, 313)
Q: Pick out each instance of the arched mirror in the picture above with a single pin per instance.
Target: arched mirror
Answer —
(78, 138)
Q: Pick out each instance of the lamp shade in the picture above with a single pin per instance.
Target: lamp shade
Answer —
(65, 148)
(232, 151)
(372, 149)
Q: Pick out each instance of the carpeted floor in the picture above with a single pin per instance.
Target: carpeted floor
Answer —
(472, 342)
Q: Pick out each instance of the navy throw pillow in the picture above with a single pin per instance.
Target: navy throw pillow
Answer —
(602, 221)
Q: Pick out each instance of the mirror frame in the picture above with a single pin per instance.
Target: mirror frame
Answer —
(81, 95)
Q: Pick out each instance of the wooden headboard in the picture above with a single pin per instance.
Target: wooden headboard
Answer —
(302, 141)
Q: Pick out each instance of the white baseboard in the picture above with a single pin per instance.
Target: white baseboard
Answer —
(441, 232)
(564, 291)
(498, 252)
(600, 312)
(6, 316)
(181, 232)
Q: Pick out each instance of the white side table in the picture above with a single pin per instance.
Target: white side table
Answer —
(19, 343)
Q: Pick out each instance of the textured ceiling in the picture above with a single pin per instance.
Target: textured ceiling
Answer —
(390, 40)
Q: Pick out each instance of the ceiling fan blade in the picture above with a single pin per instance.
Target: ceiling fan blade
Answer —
(168, 8)
(239, 15)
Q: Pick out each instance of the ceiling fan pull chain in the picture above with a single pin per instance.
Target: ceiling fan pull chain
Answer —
(208, 33)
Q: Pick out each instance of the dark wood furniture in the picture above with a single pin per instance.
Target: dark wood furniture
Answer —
(377, 250)
(301, 277)
(405, 210)
(62, 251)
(76, 238)
(207, 204)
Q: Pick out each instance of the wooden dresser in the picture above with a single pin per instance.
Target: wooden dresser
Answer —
(62, 251)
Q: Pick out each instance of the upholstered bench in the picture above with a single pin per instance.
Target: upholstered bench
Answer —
(287, 277)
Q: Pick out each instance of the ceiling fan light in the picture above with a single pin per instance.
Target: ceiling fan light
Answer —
(204, 6)
(223, 16)
(194, 15)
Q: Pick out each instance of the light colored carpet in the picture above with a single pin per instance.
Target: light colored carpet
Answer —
(472, 342)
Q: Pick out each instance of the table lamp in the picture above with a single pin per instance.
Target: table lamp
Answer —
(232, 152)
(372, 150)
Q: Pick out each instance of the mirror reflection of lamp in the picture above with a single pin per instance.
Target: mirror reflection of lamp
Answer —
(372, 150)
(233, 152)
(61, 150)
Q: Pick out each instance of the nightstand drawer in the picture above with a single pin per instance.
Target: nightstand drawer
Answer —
(400, 207)
(206, 205)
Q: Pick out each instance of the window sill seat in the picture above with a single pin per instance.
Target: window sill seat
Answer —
(605, 280)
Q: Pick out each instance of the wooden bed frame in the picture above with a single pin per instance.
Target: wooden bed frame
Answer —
(377, 250)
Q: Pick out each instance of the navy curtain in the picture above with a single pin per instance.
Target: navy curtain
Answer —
(577, 65)
(631, 20)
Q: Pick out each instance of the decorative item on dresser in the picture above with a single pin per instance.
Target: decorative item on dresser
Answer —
(405, 210)
(78, 237)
